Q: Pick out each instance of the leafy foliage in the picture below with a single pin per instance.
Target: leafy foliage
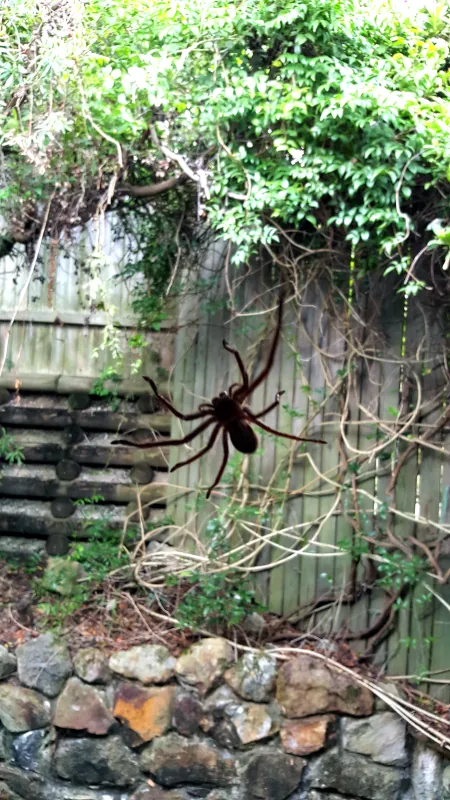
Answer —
(99, 556)
(215, 600)
(330, 120)
(10, 451)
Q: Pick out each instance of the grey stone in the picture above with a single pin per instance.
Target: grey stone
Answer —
(23, 709)
(253, 676)
(271, 774)
(31, 786)
(426, 773)
(254, 624)
(91, 666)
(232, 722)
(382, 737)
(98, 762)
(44, 664)
(391, 689)
(204, 663)
(225, 794)
(353, 774)
(6, 743)
(8, 663)
(446, 783)
(22, 548)
(31, 751)
(149, 663)
(174, 760)
(252, 721)
(220, 699)
(6, 793)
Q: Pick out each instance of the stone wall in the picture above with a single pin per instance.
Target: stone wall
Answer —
(142, 725)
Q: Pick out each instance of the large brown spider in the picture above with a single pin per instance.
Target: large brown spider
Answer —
(227, 412)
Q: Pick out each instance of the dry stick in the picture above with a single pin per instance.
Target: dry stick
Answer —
(27, 282)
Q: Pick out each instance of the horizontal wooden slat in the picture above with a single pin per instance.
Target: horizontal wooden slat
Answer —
(65, 384)
(47, 411)
(114, 485)
(96, 319)
(34, 518)
(49, 447)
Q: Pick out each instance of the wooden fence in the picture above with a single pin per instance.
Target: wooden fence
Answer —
(366, 378)
(72, 322)
(57, 341)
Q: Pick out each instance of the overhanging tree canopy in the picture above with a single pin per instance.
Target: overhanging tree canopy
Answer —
(319, 126)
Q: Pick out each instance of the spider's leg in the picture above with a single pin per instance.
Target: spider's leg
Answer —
(237, 355)
(234, 386)
(164, 402)
(164, 442)
(273, 405)
(252, 418)
(207, 446)
(226, 453)
(245, 391)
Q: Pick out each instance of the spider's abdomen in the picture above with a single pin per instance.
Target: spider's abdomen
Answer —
(242, 436)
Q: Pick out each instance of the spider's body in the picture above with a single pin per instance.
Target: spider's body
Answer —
(225, 408)
(228, 413)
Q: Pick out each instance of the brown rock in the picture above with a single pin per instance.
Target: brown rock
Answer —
(307, 685)
(155, 793)
(23, 709)
(173, 760)
(187, 714)
(147, 712)
(204, 663)
(80, 708)
(306, 736)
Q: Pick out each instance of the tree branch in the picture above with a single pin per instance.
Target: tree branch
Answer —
(152, 189)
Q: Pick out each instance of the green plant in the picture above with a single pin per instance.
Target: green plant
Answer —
(102, 554)
(321, 118)
(395, 570)
(99, 388)
(215, 601)
(10, 451)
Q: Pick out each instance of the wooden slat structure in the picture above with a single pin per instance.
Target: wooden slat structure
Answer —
(58, 341)
(73, 322)
(361, 367)
(41, 427)
(368, 366)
